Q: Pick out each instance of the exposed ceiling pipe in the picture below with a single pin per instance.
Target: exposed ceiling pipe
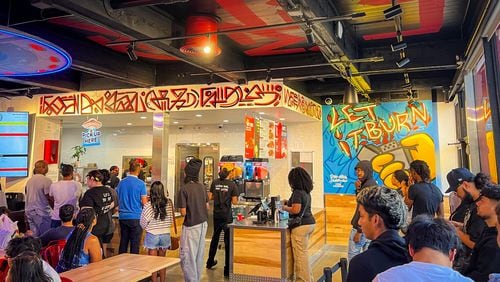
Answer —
(123, 4)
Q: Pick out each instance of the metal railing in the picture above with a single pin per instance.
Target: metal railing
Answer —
(329, 271)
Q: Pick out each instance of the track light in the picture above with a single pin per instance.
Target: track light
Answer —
(309, 36)
(28, 93)
(131, 52)
(268, 76)
(393, 12)
(242, 81)
(403, 62)
(348, 72)
(210, 79)
(398, 46)
(406, 86)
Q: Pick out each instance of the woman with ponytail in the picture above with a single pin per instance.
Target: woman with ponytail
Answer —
(81, 247)
(156, 218)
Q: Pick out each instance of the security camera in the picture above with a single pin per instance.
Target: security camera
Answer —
(180, 127)
(220, 125)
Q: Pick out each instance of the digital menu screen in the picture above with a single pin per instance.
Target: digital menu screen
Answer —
(14, 144)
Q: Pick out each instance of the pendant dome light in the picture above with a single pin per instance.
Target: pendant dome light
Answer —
(203, 45)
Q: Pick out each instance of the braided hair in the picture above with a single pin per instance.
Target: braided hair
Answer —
(158, 200)
(299, 179)
(70, 257)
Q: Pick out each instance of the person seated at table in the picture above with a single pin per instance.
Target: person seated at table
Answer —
(81, 247)
(27, 266)
(17, 246)
(66, 214)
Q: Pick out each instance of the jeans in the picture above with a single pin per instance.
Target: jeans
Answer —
(192, 251)
(219, 225)
(130, 231)
(356, 248)
(39, 223)
(300, 243)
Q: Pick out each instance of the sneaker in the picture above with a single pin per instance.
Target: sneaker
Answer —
(211, 264)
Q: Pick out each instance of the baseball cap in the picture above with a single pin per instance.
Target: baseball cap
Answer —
(456, 176)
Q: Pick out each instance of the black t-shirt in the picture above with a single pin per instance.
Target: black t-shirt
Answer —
(193, 197)
(58, 233)
(222, 192)
(101, 200)
(426, 198)
(473, 224)
(304, 199)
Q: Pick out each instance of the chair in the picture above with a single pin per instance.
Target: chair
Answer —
(53, 251)
(64, 279)
(4, 269)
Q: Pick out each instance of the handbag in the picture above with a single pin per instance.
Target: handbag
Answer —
(174, 240)
(297, 221)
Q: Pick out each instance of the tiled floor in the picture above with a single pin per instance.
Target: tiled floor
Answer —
(330, 256)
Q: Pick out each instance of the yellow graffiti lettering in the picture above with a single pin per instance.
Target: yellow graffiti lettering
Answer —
(373, 131)
(355, 135)
(402, 122)
(385, 125)
(350, 116)
(369, 108)
(423, 114)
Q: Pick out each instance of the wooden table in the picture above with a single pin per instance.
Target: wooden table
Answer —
(124, 267)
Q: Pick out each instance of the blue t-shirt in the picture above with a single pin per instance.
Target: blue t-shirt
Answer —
(420, 272)
(130, 190)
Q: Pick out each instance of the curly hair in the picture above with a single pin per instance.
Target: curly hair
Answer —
(385, 202)
(422, 169)
(299, 179)
(401, 176)
(481, 180)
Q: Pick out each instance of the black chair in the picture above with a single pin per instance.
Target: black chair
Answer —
(15, 201)
(329, 271)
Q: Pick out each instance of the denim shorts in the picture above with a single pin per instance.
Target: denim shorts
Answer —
(161, 241)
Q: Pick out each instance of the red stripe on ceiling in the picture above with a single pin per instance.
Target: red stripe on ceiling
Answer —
(13, 134)
(431, 14)
(277, 40)
(13, 169)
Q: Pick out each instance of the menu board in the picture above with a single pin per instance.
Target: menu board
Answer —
(14, 144)
(265, 139)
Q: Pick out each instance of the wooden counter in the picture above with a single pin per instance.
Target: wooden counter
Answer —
(264, 252)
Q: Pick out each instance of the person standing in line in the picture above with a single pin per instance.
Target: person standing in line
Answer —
(299, 204)
(193, 204)
(65, 191)
(132, 197)
(424, 197)
(99, 198)
(357, 240)
(114, 171)
(432, 244)
(106, 238)
(224, 192)
(382, 213)
(156, 219)
(485, 258)
(37, 199)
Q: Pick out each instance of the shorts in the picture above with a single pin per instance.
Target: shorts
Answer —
(160, 241)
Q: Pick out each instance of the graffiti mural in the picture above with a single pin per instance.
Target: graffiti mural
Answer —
(163, 99)
(389, 135)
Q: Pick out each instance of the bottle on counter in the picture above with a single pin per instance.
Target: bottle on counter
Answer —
(277, 212)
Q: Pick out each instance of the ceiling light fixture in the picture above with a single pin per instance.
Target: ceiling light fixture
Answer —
(262, 113)
(225, 121)
(350, 95)
(268, 76)
(393, 12)
(210, 78)
(28, 93)
(175, 122)
(328, 101)
(143, 117)
(198, 115)
(403, 62)
(129, 123)
(309, 36)
(131, 52)
(398, 46)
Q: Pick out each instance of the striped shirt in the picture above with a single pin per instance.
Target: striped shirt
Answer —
(156, 226)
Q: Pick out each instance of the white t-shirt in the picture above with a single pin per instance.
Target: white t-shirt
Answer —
(49, 271)
(65, 192)
(420, 272)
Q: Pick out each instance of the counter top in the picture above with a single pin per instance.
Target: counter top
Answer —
(248, 223)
